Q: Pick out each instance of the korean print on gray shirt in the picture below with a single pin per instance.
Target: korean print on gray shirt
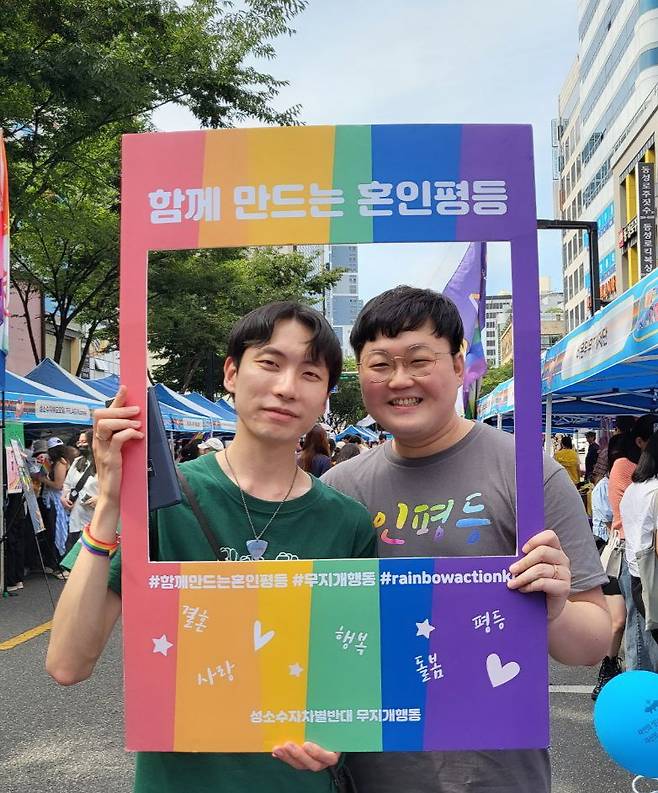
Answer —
(461, 502)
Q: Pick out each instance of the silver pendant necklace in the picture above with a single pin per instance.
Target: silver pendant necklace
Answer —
(257, 546)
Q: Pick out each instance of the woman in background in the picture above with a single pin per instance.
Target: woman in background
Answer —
(315, 458)
(639, 513)
(568, 458)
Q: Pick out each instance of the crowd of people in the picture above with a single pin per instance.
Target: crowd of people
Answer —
(619, 477)
(64, 482)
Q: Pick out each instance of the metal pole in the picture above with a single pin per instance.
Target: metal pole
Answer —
(592, 230)
(548, 428)
(499, 421)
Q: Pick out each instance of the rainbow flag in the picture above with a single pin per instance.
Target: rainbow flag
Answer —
(4, 261)
(468, 289)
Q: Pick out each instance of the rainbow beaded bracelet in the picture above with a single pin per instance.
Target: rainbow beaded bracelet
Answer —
(98, 547)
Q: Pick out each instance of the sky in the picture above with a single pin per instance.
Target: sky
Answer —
(429, 61)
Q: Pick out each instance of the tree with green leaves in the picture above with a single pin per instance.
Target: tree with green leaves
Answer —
(74, 77)
(71, 71)
(495, 377)
(346, 405)
(195, 297)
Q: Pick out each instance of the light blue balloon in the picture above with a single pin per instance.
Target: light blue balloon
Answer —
(626, 721)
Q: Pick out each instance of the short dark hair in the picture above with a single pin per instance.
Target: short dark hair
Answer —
(647, 466)
(407, 308)
(566, 442)
(624, 423)
(644, 426)
(257, 327)
(590, 434)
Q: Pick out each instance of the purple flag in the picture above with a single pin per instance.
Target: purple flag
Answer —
(467, 289)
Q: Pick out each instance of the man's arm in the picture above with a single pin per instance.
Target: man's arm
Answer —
(579, 627)
(87, 610)
(580, 636)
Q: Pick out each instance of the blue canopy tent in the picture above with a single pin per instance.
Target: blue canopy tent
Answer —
(361, 432)
(227, 409)
(567, 413)
(51, 374)
(170, 398)
(606, 366)
(106, 385)
(176, 420)
(227, 420)
(30, 402)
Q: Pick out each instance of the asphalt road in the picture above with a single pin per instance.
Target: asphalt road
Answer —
(69, 740)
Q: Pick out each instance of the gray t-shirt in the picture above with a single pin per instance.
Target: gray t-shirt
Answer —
(461, 502)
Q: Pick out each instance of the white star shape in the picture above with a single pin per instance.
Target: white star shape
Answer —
(295, 670)
(424, 628)
(161, 645)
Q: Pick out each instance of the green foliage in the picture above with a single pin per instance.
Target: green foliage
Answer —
(71, 70)
(495, 377)
(346, 406)
(195, 297)
(77, 74)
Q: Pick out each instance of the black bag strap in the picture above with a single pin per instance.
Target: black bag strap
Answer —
(198, 514)
(83, 479)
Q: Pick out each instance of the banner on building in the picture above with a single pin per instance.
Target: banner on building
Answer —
(646, 203)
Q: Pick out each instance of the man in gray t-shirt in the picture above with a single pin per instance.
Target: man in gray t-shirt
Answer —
(445, 487)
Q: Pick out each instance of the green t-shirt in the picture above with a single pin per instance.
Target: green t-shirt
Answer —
(321, 524)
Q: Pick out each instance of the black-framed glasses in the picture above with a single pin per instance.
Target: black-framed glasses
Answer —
(418, 361)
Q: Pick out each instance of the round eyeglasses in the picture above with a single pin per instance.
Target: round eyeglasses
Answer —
(418, 361)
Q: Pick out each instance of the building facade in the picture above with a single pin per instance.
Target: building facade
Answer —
(498, 312)
(634, 183)
(342, 301)
(614, 76)
(552, 322)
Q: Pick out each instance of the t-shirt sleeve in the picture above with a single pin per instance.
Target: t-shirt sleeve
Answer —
(564, 513)
(365, 540)
(336, 477)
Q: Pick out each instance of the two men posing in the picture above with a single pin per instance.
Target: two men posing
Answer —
(282, 361)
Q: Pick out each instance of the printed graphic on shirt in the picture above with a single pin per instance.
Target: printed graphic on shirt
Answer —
(470, 518)
(233, 555)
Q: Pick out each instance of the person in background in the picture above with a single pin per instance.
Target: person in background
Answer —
(210, 445)
(358, 442)
(622, 424)
(315, 457)
(639, 513)
(567, 456)
(602, 525)
(639, 654)
(61, 458)
(348, 451)
(190, 450)
(80, 489)
(592, 455)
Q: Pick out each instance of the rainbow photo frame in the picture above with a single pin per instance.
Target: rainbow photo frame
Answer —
(357, 654)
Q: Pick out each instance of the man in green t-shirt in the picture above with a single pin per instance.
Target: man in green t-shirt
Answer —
(283, 359)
